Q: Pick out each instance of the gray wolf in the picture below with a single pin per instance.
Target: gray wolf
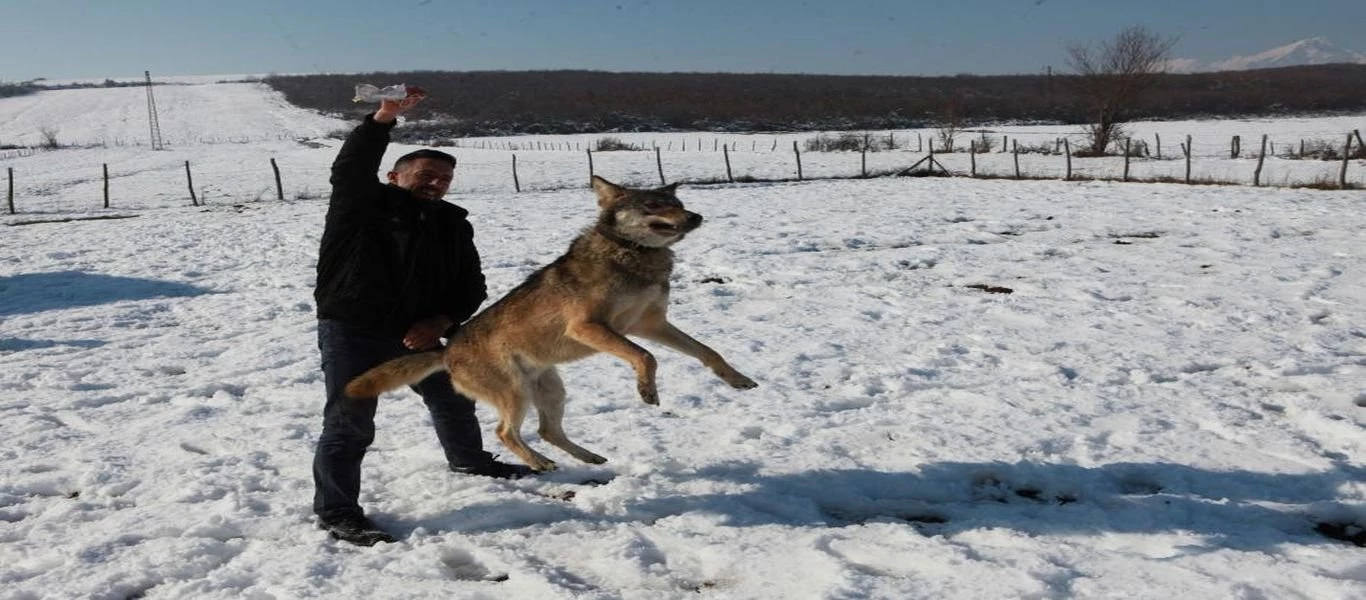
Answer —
(612, 283)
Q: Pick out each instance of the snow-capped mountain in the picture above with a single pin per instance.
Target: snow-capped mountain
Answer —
(1311, 51)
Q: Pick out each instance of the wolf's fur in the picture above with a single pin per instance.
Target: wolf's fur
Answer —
(612, 282)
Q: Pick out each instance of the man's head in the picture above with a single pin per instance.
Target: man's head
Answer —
(426, 173)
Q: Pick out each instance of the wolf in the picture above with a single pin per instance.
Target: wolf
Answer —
(613, 282)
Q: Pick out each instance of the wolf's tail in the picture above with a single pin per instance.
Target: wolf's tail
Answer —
(405, 370)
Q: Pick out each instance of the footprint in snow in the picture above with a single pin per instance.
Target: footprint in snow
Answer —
(463, 566)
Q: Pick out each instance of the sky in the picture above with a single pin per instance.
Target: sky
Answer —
(1167, 404)
(81, 39)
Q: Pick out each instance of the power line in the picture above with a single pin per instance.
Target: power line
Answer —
(152, 114)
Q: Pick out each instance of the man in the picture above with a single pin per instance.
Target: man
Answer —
(397, 271)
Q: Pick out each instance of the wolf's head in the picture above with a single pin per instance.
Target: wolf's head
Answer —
(651, 218)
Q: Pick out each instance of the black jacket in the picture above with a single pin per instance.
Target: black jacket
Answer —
(389, 259)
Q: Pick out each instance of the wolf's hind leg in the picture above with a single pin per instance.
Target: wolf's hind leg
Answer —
(548, 396)
(510, 416)
(508, 396)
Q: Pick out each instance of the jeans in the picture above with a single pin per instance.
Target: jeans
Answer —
(349, 424)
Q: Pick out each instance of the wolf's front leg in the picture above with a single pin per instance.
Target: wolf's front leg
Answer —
(603, 339)
(665, 333)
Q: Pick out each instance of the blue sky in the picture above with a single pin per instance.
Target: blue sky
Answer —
(68, 39)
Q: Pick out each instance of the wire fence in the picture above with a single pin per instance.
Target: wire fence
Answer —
(494, 166)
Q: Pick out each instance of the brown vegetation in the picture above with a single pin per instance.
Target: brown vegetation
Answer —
(508, 102)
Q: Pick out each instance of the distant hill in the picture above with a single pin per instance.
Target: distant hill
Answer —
(1311, 51)
(520, 102)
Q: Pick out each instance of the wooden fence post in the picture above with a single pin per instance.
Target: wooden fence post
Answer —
(1015, 147)
(279, 187)
(106, 181)
(1127, 141)
(189, 179)
(1235, 146)
(1159, 145)
(1186, 148)
(1067, 149)
(659, 164)
(590, 166)
(863, 163)
(1346, 157)
(10, 196)
(726, 152)
(1257, 175)
(1360, 143)
(516, 183)
(798, 152)
(972, 158)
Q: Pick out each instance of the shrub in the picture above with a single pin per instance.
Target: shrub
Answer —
(1043, 148)
(983, 143)
(1323, 150)
(49, 137)
(611, 144)
(844, 142)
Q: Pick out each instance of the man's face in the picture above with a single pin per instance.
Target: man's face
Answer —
(426, 178)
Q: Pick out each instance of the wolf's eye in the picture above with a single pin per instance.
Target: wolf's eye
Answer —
(657, 204)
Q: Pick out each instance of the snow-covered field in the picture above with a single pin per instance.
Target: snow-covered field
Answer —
(1167, 404)
(229, 130)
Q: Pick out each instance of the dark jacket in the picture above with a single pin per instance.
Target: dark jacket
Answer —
(389, 259)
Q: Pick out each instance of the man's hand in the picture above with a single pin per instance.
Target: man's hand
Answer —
(389, 110)
(426, 334)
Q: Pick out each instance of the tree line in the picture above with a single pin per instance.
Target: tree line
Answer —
(473, 103)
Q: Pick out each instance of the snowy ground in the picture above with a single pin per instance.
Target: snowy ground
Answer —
(1167, 404)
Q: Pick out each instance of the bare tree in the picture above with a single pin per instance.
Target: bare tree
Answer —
(948, 121)
(1113, 76)
(49, 137)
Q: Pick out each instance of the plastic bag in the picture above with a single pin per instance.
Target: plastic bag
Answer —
(369, 93)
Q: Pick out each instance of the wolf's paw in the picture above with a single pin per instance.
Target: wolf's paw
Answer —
(649, 395)
(739, 382)
(544, 466)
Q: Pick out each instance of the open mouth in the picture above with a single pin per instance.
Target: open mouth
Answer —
(663, 228)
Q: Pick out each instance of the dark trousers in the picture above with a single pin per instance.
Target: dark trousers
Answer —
(349, 424)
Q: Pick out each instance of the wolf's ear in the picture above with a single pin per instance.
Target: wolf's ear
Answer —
(670, 189)
(607, 191)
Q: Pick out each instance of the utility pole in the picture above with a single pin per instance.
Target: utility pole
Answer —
(1048, 87)
(152, 115)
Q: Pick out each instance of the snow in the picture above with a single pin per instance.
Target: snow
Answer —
(1166, 404)
(1311, 51)
(1308, 51)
